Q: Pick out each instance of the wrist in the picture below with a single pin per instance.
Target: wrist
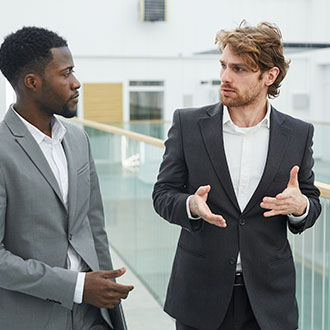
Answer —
(303, 207)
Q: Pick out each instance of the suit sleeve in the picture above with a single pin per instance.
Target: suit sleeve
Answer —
(30, 276)
(170, 193)
(306, 183)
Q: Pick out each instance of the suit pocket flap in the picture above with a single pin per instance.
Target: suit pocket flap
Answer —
(83, 168)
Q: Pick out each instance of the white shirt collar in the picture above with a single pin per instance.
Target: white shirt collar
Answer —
(58, 130)
(265, 122)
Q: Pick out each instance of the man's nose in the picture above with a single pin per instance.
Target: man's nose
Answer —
(225, 75)
(75, 83)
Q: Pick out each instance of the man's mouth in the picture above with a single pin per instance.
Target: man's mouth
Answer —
(74, 97)
(227, 91)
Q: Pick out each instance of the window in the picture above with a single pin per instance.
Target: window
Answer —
(146, 100)
(153, 10)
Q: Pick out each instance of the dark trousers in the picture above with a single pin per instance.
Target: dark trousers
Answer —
(239, 315)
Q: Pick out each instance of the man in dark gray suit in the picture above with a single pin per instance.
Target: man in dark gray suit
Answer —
(55, 266)
(235, 176)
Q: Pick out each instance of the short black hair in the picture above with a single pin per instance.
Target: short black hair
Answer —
(27, 49)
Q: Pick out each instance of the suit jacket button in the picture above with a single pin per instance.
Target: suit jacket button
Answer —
(242, 222)
(232, 261)
(70, 237)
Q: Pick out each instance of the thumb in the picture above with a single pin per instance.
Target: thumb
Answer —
(202, 190)
(114, 273)
(293, 182)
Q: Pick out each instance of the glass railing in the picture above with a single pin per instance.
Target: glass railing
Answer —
(127, 169)
(159, 129)
(311, 254)
(128, 164)
(322, 152)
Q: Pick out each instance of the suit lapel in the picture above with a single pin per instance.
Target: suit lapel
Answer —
(32, 149)
(212, 133)
(72, 174)
(278, 142)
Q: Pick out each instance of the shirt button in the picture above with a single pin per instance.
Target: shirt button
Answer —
(242, 222)
(232, 261)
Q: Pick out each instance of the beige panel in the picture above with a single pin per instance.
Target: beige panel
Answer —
(103, 102)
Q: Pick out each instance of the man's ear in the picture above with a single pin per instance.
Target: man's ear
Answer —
(271, 75)
(32, 81)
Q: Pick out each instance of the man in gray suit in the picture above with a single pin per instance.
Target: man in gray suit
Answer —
(55, 264)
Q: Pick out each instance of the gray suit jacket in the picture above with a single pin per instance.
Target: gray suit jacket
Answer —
(36, 289)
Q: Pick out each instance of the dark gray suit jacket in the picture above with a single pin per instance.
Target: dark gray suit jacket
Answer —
(203, 272)
(36, 290)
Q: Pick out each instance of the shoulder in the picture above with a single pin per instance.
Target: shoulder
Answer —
(198, 112)
(6, 136)
(289, 121)
(75, 131)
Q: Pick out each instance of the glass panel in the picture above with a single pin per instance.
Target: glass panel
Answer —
(146, 105)
(146, 83)
(127, 170)
(311, 253)
(322, 152)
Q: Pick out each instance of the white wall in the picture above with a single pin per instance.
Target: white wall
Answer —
(308, 75)
(180, 75)
(109, 42)
(112, 27)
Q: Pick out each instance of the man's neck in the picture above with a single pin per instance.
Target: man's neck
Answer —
(248, 116)
(35, 117)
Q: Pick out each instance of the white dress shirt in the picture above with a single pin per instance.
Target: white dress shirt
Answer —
(53, 151)
(246, 150)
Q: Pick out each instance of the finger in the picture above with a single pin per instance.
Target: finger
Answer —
(293, 182)
(113, 273)
(281, 196)
(216, 220)
(275, 204)
(269, 214)
(269, 204)
(110, 306)
(111, 295)
(280, 206)
(269, 200)
(202, 190)
(120, 288)
(112, 302)
(284, 210)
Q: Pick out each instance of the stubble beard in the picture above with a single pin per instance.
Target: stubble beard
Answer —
(239, 100)
(66, 112)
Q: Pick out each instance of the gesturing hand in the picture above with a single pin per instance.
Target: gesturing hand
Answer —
(290, 201)
(100, 291)
(199, 208)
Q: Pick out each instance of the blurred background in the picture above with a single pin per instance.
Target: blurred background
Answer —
(139, 60)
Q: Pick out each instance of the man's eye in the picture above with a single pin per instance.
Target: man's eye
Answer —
(238, 69)
(68, 73)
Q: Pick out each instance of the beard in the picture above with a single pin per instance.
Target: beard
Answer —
(66, 112)
(53, 103)
(243, 98)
